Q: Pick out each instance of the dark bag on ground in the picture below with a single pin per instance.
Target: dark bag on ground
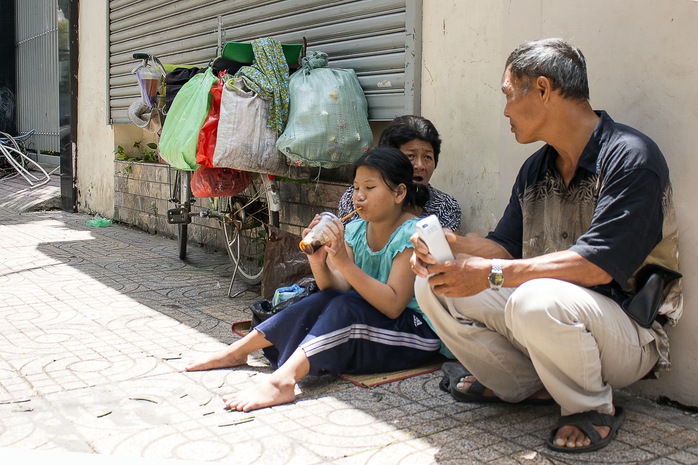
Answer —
(263, 309)
(284, 262)
(643, 306)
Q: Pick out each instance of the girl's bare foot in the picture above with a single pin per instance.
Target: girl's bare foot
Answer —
(222, 359)
(271, 391)
(232, 356)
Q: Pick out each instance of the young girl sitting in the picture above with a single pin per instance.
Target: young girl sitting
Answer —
(365, 319)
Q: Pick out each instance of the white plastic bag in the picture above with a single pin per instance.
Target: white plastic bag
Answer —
(244, 142)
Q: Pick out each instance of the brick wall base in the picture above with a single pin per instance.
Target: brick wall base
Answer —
(142, 191)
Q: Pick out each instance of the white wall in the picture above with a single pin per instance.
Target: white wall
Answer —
(95, 158)
(642, 69)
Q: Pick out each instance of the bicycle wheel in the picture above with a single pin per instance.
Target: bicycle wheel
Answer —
(246, 229)
(185, 203)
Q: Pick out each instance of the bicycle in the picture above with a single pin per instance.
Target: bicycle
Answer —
(182, 197)
(246, 220)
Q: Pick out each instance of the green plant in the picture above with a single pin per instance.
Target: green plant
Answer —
(146, 154)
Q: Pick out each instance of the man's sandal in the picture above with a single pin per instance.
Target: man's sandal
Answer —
(585, 421)
(454, 372)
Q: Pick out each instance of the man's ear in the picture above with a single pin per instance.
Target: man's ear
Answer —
(543, 87)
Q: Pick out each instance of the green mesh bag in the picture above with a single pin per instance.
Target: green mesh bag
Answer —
(328, 117)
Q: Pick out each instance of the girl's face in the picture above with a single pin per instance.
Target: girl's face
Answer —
(373, 195)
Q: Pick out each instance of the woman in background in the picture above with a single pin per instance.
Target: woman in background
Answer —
(417, 138)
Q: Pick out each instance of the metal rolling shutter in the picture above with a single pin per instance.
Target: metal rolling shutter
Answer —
(379, 39)
(38, 72)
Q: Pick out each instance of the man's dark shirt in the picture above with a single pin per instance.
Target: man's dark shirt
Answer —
(617, 212)
(612, 213)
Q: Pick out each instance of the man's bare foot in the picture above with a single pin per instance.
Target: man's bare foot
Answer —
(465, 383)
(571, 436)
(222, 359)
(271, 391)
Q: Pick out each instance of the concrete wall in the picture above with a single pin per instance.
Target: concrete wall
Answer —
(95, 158)
(642, 70)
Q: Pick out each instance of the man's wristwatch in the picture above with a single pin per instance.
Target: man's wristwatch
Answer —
(496, 278)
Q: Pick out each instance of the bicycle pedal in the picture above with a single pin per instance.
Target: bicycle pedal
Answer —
(178, 216)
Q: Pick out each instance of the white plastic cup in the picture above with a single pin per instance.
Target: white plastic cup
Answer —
(317, 236)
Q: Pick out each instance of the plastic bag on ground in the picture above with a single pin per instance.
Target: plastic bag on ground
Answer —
(284, 263)
(98, 222)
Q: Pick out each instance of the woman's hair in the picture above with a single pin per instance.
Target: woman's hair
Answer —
(555, 59)
(409, 127)
(395, 169)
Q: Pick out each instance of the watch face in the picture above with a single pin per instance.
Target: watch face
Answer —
(496, 279)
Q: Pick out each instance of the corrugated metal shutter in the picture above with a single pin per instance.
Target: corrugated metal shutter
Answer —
(38, 72)
(379, 39)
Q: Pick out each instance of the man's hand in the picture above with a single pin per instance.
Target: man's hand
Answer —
(465, 275)
(420, 257)
(462, 277)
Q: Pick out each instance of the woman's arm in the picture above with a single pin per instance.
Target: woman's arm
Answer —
(389, 298)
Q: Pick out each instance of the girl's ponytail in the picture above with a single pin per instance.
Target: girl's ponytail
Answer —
(421, 194)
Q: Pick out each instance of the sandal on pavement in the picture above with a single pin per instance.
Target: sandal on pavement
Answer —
(585, 421)
(454, 372)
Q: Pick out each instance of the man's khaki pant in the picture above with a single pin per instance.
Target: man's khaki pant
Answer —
(547, 333)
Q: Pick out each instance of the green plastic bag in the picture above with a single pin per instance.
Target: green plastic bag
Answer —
(328, 120)
(184, 120)
(98, 222)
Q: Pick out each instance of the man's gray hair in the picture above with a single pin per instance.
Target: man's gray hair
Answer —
(555, 59)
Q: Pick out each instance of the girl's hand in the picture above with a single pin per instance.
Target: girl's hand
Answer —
(320, 255)
(315, 221)
(336, 248)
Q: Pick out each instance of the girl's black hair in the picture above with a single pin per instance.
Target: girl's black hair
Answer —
(395, 169)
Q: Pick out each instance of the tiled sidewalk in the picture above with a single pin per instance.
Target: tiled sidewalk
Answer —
(96, 324)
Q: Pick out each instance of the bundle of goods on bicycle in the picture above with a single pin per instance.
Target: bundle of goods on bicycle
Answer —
(328, 123)
(239, 116)
(261, 120)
